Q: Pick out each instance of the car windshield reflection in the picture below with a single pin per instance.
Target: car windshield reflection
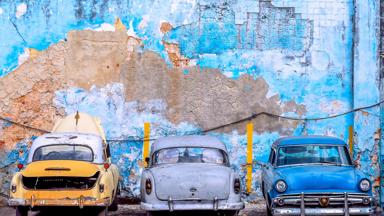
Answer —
(189, 155)
(313, 154)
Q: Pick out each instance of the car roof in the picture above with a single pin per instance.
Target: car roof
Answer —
(299, 140)
(187, 141)
(93, 141)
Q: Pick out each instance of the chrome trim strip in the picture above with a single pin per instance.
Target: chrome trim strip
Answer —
(302, 205)
(170, 204)
(215, 204)
(346, 207)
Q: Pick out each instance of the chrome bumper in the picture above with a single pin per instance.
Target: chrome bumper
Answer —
(323, 211)
(313, 204)
(183, 205)
(79, 202)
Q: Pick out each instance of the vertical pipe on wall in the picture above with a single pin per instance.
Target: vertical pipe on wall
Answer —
(350, 140)
(147, 131)
(249, 156)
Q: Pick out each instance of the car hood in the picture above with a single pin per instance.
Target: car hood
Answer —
(320, 178)
(191, 181)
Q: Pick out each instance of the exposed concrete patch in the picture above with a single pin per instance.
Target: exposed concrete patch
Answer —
(206, 97)
(177, 59)
(27, 94)
(165, 27)
(94, 58)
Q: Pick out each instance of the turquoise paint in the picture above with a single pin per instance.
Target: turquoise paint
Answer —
(301, 58)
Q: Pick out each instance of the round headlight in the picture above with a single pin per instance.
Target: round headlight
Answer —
(365, 185)
(281, 186)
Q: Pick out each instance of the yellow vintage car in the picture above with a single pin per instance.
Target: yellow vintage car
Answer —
(69, 167)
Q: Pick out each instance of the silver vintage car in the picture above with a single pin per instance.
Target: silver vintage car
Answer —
(188, 173)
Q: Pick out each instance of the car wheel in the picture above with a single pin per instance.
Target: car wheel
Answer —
(21, 211)
(114, 206)
(103, 212)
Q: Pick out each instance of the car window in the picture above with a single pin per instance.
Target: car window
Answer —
(190, 155)
(303, 154)
(63, 152)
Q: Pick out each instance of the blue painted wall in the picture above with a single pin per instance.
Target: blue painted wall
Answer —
(309, 52)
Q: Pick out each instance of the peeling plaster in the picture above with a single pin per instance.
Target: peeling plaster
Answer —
(174, 62)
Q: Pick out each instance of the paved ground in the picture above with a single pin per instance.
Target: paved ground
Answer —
(132, 210)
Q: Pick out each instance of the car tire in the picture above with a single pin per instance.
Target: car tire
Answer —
(102, 212)
(114, 206)
(21, 211)
(269, 211)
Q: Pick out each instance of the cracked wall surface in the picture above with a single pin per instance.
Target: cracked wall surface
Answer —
(186, 66)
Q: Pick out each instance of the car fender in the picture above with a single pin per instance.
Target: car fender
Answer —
(233, 197)
(116, 176)
(268, 178)
(147, 174)
(106, 178)
(16, 181)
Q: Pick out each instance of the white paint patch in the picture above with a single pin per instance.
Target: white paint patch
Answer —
(1, 11)
(270, 93)
(24, 57)
(192, 62)
(320, 60)
(106, 27)
(21, 10)
(228, 74)
(243, 8)
(144, 22)
(131, 32)
(176, 5)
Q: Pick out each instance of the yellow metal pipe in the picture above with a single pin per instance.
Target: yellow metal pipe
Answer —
(350, 140)
(147, 131)
(249, 156)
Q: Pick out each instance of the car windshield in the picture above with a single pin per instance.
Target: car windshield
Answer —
(190, 155)
(63, 152)
(304, 154)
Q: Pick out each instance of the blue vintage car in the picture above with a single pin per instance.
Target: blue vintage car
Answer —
(314, 175)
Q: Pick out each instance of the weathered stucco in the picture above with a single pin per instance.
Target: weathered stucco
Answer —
(190, 65)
